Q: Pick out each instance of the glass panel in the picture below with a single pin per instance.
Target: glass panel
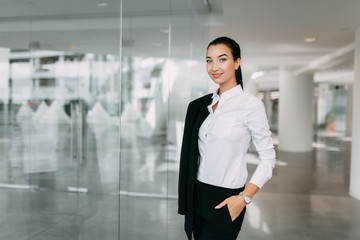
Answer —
(90, 138)
(59, 85)
(331, 110)
(163, 66)
(187, 80)
(143, 175)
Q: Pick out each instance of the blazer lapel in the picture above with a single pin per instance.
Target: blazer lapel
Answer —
(204, 112)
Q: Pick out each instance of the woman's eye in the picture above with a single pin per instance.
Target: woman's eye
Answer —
(208, 61)
(222, 59)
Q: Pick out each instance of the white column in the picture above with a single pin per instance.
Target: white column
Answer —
(355, 149)
(295, 111)
(268, 104)
(4, 74)
(349, 106)
(4, 81)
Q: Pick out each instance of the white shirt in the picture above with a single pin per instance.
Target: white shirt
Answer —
(224, 138)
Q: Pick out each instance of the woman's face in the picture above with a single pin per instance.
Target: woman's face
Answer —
(220, 65)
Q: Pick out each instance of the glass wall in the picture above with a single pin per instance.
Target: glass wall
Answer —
(331, 114)
(93, 96)
(60, 120)
(162, 70)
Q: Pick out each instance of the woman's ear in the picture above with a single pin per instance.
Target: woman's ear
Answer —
(237, 63)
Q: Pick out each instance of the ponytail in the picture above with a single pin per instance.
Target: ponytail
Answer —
(238, 75)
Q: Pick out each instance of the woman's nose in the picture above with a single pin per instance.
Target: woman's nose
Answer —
(215, 66)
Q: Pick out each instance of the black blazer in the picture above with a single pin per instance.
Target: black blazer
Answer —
(196, 114)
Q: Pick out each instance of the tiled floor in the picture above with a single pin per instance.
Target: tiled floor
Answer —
(307, 198)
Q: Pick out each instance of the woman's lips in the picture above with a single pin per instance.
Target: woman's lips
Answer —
(216, 75)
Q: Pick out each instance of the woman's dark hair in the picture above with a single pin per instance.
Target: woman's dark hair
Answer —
(236, 52)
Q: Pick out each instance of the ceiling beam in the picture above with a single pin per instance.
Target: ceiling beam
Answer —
(326, 59)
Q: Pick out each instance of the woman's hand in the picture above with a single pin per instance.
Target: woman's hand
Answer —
(235, 204)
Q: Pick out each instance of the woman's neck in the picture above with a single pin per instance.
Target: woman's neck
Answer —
(226, 86)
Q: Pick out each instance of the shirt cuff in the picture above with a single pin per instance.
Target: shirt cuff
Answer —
(259, 179)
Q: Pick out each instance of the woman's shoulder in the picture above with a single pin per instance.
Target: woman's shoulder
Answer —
(252, 103)
(249, 97)
(200, 100)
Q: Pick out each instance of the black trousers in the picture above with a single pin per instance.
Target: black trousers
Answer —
(210, 223)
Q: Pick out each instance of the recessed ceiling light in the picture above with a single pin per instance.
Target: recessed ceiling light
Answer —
(309, 39)
(101, 3)
(257, 74)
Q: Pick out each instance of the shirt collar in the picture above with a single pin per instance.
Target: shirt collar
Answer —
(227, 94)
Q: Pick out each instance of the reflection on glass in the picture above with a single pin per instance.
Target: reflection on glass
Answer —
(63, 121)
(331, 110)
(93, 135)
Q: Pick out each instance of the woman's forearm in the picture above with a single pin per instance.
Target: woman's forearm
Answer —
(251, 189)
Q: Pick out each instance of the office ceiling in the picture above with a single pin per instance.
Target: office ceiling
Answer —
(270, 32)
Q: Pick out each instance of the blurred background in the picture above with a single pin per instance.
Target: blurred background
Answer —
(93, 96)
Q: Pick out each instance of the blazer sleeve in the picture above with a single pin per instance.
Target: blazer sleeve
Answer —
(185, 159)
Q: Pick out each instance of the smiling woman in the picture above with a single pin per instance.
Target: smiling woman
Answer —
(213, 172)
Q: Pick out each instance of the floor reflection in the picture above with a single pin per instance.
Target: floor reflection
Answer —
(307, 198)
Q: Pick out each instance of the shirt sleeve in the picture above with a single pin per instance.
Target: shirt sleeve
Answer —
(258, 127)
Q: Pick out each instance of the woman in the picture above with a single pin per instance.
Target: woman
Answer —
(218, 130)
